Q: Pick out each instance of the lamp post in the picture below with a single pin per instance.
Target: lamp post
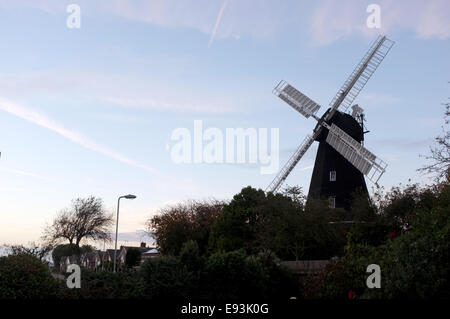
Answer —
(129, 196)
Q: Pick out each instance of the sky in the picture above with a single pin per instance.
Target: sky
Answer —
(93, 110)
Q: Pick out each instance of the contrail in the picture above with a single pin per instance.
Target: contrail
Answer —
(44, 121)
(20, 172)
(219, 18)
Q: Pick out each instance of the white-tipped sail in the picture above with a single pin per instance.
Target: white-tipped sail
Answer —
(287, 168)
(296, 99)
(366, 162)
(361, 74)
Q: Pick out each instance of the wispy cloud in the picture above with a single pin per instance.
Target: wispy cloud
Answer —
(44, 121)
(20, 172)
(148, 103)
(216, 26)
(404, 144)
(333, 20)
(327, 20)
(377, 99)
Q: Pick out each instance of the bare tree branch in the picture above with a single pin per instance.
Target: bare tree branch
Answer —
(86, 219)
(440, 153)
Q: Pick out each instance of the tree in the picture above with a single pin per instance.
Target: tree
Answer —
(256, 221)
(236, 227)
(85, 219)
(60, 251)
(296, 194)
(33, 249)
(68, 250)
(175, 225)
(440, 153)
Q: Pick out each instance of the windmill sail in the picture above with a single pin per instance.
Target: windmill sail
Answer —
(296, 99)
(361, 74)
(366, 162)
(287, 168)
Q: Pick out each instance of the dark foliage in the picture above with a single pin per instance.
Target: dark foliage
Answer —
(23, 276)
(175, 225)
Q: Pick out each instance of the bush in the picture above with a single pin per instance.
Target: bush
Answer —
(25, 277)
(234, 275)
(105, 285)
(167, 277)
(230, 275)
(414, 262)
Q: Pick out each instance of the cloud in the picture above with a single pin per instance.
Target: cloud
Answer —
(257, 18)
(126, 91)
(327, 20)
(156, 104)
(377, 99)
(20, 172)
(219, 18)
(403, 144)
(42, 120)
(333, 20)
(435, 20)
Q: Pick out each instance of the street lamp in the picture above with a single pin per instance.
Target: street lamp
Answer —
(129, 196)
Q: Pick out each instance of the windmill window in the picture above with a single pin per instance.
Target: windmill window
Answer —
(332, 200)
(332, 176)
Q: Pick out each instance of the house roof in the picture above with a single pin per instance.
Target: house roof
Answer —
(143, 250)
(110, 252)
(91, 256)
(151, 251)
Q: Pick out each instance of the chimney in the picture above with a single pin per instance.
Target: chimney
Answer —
(143, 245)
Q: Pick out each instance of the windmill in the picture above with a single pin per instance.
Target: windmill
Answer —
(341, 161)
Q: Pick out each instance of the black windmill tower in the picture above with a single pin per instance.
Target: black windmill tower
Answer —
(341, 161)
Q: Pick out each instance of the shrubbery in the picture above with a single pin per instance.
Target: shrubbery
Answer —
(23, 276)
(105, 285)
(414, 257)
(220, 276)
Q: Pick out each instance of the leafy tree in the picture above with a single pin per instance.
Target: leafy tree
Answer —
(85, 219)
(175, 225)
(295, 193)
(190, 256)
(60, 251)
(68, 250)
(256, 221)
(238, 225)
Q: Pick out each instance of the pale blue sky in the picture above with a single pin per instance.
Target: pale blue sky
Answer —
(91, 110)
